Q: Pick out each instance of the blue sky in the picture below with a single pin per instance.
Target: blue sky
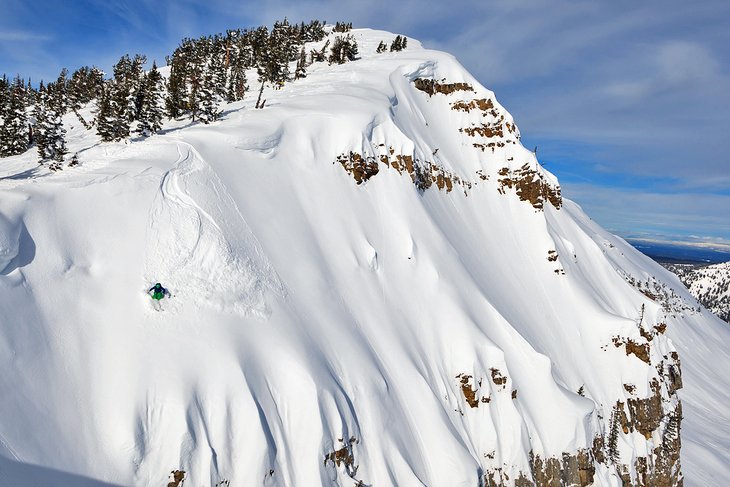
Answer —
(628, 102)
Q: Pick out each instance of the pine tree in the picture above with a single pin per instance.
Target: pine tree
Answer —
(283, 43)
(273, 54)
(4, 94)
(382, 47)
(613, 452)
(195, 82)
(151, 113)
(343, 49)
(57, 138)
(14, 129)
(312, 32)
(5, 88)
(207, 99)
(301, 69)
(74, 160)
(57, 93)
(96, 81)
(351, 51)
(239, 57)
(122, 97)
(50, 134)
(236, 81)
(319, 56)
(395, 44)
(105, 117)
(84, 85)
(175, 104)
(123, 93)
(78, 88)
(218, 66)
(343, 27)
(139, 97)
(119, 115)
(41, 119)
(30, 94)
(398, 44)
(272, 61)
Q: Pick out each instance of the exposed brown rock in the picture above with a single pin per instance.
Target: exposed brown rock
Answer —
(597, 450)
(639, 350)
(484, 130)
(361, 168)
(489, 145)
(571, 469)
(482, 104)
(672, 373)
(664, 469)
(621, 418)
(431, 87)
(649, 416)
(471, 395)
(178, 477)
(423, 174)
(343, 456)
(530, 186)
(646, 414)
(498, 378)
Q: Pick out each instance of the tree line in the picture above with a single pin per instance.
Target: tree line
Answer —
(203, 73)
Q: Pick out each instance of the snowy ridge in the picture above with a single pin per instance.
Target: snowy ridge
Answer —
(710, 284)
(374, 282)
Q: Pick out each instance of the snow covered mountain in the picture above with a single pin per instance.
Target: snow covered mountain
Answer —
(374, 283)
(710, 284)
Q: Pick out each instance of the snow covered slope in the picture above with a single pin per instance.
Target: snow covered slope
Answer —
(373, 282)
(710, 284)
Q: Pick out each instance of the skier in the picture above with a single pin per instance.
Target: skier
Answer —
(158, 292)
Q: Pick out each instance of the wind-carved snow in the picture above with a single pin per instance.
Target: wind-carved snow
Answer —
(9, 242)
(428, 334)
(200, 246)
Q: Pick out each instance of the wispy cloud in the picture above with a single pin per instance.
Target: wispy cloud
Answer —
(23, 36)
(682, 216)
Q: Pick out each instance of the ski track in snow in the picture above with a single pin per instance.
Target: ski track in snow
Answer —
(199, 245)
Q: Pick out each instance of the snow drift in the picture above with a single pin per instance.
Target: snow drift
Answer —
(374, 283)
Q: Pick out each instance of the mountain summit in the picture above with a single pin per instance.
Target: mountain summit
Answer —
(373, 283)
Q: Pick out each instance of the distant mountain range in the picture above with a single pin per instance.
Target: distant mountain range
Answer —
(670, 252)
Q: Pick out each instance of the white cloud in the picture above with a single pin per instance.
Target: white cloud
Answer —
(640, 211)
(22, 36)
(683, 62)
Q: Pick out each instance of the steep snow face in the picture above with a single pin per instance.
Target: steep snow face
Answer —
(373, 281)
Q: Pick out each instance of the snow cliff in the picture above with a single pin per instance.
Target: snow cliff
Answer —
(374, 283)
